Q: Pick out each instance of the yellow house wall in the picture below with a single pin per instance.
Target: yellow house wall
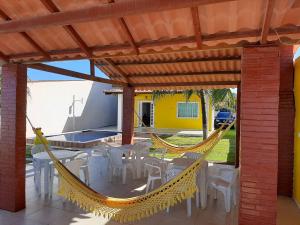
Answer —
(297, 133)
(165, 112)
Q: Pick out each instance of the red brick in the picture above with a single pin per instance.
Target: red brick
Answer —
(13, 132)
(259, 135)
(286, 122)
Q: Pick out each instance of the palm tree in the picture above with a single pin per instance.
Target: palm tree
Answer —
(220, 98)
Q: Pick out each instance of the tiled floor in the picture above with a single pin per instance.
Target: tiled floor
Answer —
(42, 210)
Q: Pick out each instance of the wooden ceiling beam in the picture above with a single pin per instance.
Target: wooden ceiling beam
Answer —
(100, 12)
(27, 37)
(50, 5)
(70, 73)
(180, 84)
(183, 60)
(197, 27)
(92, 67)
(174, 41)
(267, 21)
(128, 34)
(234, 72)
(115, 68)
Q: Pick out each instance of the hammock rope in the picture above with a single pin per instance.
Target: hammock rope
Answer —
(131, 209)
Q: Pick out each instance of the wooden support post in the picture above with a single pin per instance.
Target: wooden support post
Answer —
(92, 67)
(128, 115)
(13, 137)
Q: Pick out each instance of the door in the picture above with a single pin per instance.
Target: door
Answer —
(146, 113)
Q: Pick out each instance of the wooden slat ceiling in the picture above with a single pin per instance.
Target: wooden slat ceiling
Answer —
(147, 41)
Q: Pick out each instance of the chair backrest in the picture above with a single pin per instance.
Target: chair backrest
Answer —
(102, 150)
(215, 168)
(141, 149)
(74, 166)
(228, 174)
(83, 156)
(153, 170)
(171, 173)
(115, 157)
(161, 151)
(37, 148)
(192, 155)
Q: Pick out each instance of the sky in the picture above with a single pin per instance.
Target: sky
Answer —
(82, 66)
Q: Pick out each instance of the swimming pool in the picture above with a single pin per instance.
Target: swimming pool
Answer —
(81, 139)
(83, 136)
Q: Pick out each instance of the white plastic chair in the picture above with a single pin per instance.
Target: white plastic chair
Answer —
(224, 181)
(156, 171)
(170, 174)
(84, 168)
(141, 149)
(101, 150)
(162, 152)
(74, 166)
(192, 155)
(37, 167)
(117, 164)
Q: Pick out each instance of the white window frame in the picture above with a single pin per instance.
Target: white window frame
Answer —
(177, 107)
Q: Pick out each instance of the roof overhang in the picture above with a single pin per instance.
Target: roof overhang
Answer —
(147, 43)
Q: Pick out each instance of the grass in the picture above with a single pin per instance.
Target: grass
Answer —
(223, 152)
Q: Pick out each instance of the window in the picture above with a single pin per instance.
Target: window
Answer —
(187, 109)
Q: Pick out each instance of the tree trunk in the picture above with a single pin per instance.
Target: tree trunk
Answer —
(203, 111)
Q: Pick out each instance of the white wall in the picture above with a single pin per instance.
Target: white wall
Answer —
(49, 102)
(120, 112)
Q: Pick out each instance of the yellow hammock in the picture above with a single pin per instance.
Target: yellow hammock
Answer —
(124, 210)
(200, 147)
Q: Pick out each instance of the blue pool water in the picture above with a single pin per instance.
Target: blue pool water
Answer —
(83, 136)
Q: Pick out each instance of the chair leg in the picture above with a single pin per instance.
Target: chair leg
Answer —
(189, 207)
(86, 175)
(215, 193)
(124, 175)
(152, 184)
(197, 199)
(227, 199)
(234, 196)
(51, 180)
(148, 185)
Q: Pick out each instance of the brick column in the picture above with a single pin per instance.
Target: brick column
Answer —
(237, 127)
(128, 115)
(13, 137)
(259, 135)
(286, 122)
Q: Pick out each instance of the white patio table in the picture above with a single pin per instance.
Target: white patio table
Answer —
(44, 160)
(182, 163)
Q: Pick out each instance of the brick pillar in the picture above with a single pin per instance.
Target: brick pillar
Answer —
(286, 122)
(259, 135)
(237, 127)
(128, 115)
(13, 137)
